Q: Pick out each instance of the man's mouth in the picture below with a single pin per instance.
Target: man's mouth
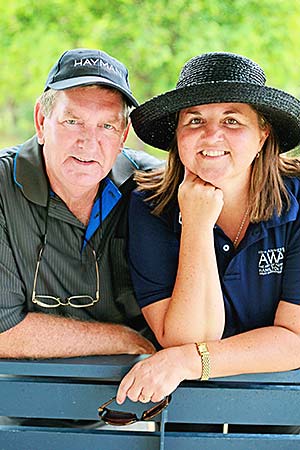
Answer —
(82, 160)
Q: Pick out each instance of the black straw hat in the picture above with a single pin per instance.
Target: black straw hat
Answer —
(83, 66)
(218, 78)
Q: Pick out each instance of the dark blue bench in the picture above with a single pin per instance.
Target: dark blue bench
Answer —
(74, 388)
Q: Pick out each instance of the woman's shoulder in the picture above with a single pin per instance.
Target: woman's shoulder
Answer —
(292, 183)
(141, 204)
(139, 198)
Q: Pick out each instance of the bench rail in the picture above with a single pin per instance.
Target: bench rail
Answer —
(72, 389)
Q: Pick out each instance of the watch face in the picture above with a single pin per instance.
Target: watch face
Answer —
(203, 347)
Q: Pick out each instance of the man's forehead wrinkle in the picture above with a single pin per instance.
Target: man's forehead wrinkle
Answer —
(110, 116)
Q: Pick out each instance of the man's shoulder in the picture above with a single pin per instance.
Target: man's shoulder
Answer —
(9, 151)
(142, 160)
(128, 161)
(7, 155)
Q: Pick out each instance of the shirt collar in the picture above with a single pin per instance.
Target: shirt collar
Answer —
(30, 174)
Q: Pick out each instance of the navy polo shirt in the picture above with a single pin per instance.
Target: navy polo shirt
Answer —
(264, 269)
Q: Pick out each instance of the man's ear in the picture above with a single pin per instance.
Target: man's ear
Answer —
(39, 120)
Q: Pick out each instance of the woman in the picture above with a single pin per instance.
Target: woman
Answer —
(215, 238)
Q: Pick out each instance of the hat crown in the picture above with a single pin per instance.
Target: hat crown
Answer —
(83, 66)
(85, 62)
(220, 67)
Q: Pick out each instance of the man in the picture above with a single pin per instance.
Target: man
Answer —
(65, 288)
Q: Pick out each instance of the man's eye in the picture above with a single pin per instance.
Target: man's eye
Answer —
(71, 121)
(108, 126)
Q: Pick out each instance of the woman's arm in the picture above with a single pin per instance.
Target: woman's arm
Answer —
(195, 309)
(269, 349)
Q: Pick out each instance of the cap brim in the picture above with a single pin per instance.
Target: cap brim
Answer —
(86, 81)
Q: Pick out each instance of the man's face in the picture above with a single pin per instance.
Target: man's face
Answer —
(82, 136)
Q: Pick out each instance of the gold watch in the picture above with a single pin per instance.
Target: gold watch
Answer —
(205, 359)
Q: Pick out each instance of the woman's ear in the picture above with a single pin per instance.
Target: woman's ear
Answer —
(265, 132)
(39, 120)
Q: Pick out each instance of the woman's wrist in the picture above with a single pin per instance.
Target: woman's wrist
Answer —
(190, 361)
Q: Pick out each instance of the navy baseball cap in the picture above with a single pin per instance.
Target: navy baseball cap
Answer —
(82, 67)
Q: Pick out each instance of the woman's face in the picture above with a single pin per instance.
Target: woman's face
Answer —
(219, 141)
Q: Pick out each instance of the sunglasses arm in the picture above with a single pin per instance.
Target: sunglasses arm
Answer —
(102, 407)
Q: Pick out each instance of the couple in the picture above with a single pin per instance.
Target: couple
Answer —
(214, 239)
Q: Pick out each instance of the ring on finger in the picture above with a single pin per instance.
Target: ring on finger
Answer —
(145, 399)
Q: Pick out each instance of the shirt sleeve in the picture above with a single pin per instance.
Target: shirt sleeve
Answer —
(152, 251)
(12, 298)
(291, 273)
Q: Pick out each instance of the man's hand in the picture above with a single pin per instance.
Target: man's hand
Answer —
(140, 345)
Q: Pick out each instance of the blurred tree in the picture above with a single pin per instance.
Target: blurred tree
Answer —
(152, 37)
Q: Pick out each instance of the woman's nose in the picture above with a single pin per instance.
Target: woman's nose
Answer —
(211, 132)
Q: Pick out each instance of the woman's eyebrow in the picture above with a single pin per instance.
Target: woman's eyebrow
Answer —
(193, 112)
(232, 111)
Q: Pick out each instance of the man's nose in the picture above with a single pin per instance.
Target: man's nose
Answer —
(91, 137)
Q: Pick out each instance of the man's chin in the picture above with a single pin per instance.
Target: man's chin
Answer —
(83, 179)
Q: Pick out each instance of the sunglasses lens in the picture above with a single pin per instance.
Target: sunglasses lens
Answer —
(112, 417)
(157, 409)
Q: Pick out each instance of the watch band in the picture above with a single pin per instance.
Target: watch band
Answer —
(205, 359)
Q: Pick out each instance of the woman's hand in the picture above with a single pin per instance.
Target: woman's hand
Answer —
(199, 200)
(160, 374)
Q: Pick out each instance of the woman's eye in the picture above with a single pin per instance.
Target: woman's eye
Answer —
(108, 126)
(195, 121)
(71, 121)
(231, 121)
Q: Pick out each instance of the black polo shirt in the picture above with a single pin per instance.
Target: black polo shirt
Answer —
(68, 266)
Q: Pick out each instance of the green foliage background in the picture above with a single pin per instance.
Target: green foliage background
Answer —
(152, 37)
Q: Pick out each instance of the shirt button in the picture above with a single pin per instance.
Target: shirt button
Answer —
(226, 247)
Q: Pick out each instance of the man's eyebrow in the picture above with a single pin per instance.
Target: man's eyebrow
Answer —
(70, 113)
(113, 118)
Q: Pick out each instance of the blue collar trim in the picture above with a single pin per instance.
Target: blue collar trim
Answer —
(110, 196)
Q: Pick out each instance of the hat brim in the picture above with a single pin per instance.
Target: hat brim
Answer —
(155, 120)
(86, 81)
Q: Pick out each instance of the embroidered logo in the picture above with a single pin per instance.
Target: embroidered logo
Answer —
(97, 62)
(271, 261)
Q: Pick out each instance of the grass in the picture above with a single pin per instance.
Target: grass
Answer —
(293, 153)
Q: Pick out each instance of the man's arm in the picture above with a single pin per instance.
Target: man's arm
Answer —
(46, 336)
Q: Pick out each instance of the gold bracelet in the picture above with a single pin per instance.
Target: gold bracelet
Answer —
(205, 359)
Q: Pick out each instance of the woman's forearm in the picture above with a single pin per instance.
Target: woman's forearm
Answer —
(270, 349)
(196, 308)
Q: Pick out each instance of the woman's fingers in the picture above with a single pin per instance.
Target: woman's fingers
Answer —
(153, 378)
(125, 385)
